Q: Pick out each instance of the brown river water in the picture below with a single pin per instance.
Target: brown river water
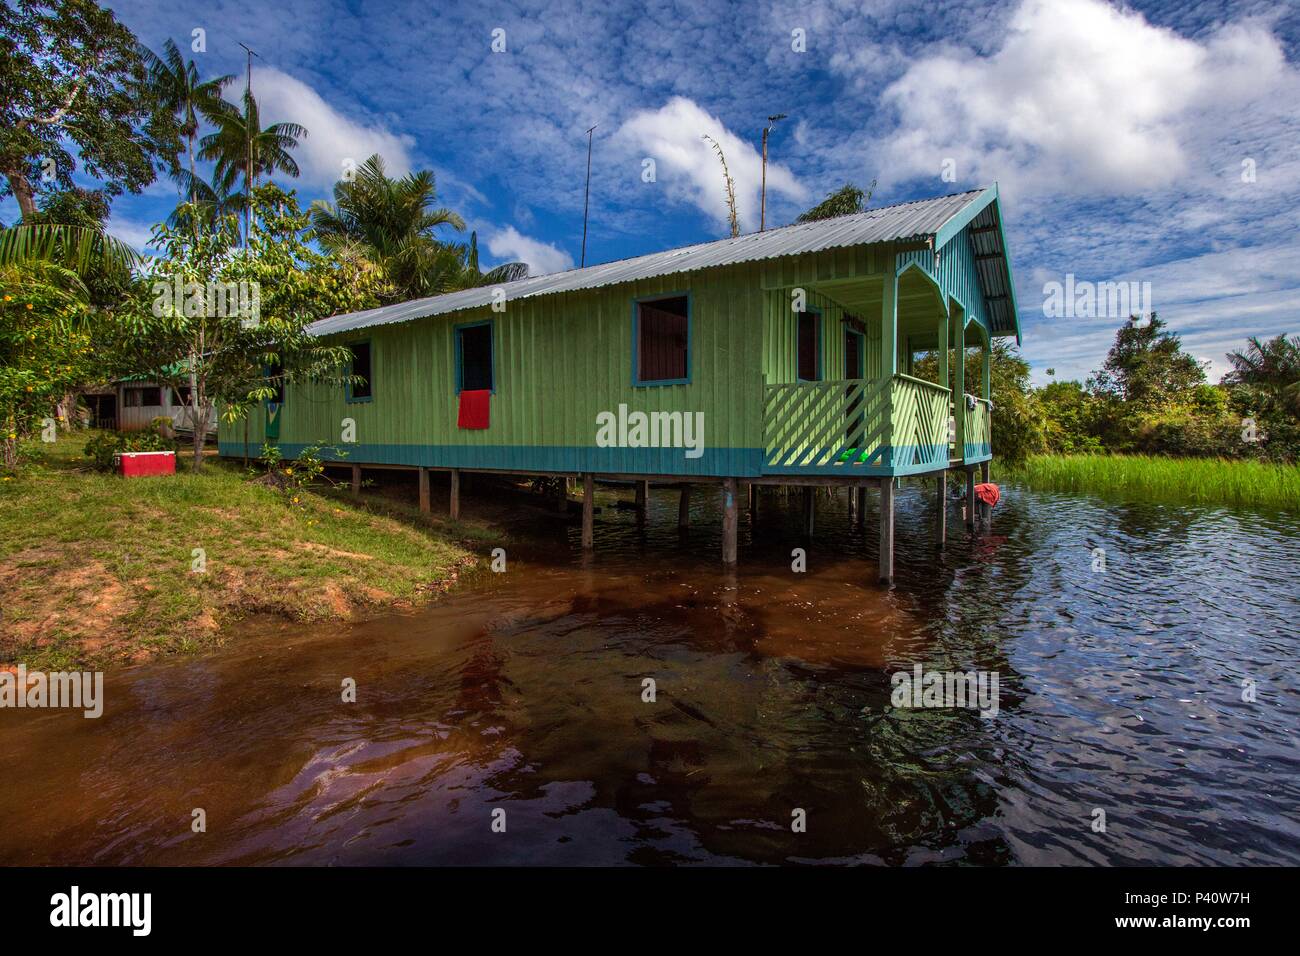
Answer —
(1120, 691)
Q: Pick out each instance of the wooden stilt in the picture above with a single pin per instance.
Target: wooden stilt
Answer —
(356, 481)
(986, 513)
(862, 506)
(642, 498)
(809, 511)
(753, 504)
(730, 521)
(455, 494)
(684, 508)
(886, 530)
(941, 518)
(424, 491)
(970, 498)
(588, 512)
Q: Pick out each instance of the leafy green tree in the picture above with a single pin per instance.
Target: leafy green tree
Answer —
(237, 358)
(844, 201)
(395, 224)
(1147, 365)
(1264, 386)
(241, 146)
(45, 347)
(1069, 418)
(72, 78)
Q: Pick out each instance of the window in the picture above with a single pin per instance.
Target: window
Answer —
(810, 347)
(662, 334)
(182, 395)
(142, 397)
(474, 357)
(360, 366)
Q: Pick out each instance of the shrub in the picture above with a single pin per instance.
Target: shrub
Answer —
(104, 445)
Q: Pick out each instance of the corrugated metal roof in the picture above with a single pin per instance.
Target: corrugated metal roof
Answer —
(910, 220)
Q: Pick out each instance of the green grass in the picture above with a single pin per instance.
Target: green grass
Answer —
(96, 569)
(1208, 481)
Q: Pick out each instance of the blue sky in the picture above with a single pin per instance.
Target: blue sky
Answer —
(1117, 134)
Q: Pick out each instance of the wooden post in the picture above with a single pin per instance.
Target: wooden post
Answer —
(642, 498)
(970, 498)
(941, 519)
(588, 512)
(986, 512)
(455, 494)
(809, 511)
(861, 492)
(886, 530)
(753, 505)
(730, 520)
(424, 490)
(356, 481)
(684, 508)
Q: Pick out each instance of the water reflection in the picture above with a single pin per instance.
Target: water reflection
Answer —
(1119, 690)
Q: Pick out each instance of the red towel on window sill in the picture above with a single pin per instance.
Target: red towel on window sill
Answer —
(989, 493)
(474, 408)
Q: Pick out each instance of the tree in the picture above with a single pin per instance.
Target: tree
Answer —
(1146, 366)
(72, 77)
(241, 146)
(184, 333)
(1264, 386)
(45, 347)
(845, 201)
(394, 224)
(175, 84)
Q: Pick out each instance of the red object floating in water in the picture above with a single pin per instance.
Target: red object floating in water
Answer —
(137, 464)
(988, 493)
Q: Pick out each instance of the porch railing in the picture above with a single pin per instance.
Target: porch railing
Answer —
(848, 426)
(978, 440)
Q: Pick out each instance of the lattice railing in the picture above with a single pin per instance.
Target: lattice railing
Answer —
(855, 424)
(979, 432)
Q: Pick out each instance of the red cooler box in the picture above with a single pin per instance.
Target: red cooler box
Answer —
(134, 464)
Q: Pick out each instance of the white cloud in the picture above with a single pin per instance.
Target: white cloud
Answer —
(687, 166)
(1081, 96)
(137, 235)
(332, 138)
(510, 245)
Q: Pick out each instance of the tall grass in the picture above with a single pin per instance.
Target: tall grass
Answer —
(1211, 481)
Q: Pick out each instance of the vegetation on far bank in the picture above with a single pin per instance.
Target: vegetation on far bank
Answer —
(98, 570)
(1207, 481)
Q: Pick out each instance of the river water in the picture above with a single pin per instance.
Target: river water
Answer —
(772, 737)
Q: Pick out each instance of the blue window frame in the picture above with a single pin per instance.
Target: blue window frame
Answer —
(808, 345)
(661, 339)
(361, 363)
(475, 356)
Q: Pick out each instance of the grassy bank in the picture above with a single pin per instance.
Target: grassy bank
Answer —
(1188, 480)
(98, 570)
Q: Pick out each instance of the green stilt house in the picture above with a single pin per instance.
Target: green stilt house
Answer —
(780, 357)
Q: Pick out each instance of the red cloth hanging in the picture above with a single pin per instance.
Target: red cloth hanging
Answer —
(474, 408)
(988, 493)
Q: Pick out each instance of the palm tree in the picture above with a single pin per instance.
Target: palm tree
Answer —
(393, 223)
(1272, 367)
(473, 277)
(207, 205)
(76, 247)
(175, 83)
(241, 145)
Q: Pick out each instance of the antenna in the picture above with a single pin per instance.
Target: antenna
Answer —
(586, 200)
(762, 206)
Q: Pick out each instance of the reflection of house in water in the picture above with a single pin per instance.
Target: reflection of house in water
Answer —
(130, 405)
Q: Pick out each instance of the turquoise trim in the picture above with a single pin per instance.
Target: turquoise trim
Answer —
(636, 339)
(492, 345)
(715, 462)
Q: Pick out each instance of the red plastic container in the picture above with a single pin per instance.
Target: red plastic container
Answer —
(136, 464)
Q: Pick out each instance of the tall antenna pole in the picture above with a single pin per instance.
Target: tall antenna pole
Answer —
(762, 206)
(248, 136)
(586, 200)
